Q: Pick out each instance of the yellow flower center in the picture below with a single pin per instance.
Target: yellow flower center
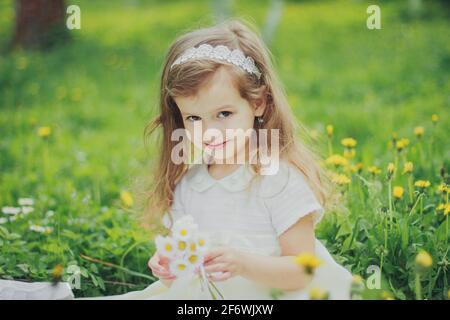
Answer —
(181, 245)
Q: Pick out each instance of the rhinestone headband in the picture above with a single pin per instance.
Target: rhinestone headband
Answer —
(220, 52)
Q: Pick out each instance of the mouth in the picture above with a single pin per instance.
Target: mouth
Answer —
(216, 146)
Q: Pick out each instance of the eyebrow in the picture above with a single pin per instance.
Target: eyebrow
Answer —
(225, 106)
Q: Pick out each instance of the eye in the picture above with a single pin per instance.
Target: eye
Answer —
(225, 113)
(190, 118)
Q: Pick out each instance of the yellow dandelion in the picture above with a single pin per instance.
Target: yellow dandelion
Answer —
(308, 261)
(445, 208)
(329, 130)
(357, 167)
(44, 132)
(349, 153)
(348, 142)
(419, 131)
(401, 144)
(127, 198)
(318, 294)
(398, 192)
(443, 188)
(390, 168)
(434, 118)
(336, 160)
(57, 273)
(374, 170)
(423, 259)
(422, 183)
(408, 167)
(386, 295)
(340, 179)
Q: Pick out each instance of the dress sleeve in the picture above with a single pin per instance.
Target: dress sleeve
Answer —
(292, 200)
(177, 208)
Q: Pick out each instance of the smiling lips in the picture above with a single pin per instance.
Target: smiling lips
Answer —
(216, 146)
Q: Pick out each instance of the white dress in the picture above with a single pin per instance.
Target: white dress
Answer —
(250, 222)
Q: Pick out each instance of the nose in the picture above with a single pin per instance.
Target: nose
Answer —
(213, 135)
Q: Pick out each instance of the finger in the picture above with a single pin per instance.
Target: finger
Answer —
(161, 273)
(156, 266)
(172, 277)
(224, 276)
(219, 267)
(150, 262)
(159, 268)
(164, 274)
(218, 259)
(163, 260)
(213, 254)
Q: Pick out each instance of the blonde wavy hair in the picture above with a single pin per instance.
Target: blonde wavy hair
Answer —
(186, 79)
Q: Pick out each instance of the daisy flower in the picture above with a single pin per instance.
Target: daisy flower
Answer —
(180, 267)
(26, 202)
(11, 210)
(166, 246)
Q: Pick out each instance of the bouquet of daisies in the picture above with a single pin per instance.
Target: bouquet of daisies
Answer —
(185, 249)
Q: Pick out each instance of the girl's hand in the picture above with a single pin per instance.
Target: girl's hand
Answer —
(223, 259)
(160, 267)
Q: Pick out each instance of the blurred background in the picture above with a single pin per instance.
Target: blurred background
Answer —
(74, 104)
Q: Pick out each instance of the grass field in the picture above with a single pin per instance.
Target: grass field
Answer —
(96, 93)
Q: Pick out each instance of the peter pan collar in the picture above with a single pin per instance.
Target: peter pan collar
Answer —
(200, 180)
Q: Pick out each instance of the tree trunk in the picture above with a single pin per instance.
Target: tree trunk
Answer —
(39, 24)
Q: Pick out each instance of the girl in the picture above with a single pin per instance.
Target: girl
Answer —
(221, 78)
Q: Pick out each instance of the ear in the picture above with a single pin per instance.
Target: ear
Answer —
(259, 105)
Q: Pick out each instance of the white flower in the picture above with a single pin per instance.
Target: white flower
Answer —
(180, 267)
(11, 210)
(50, 213)
(184, 228)
(166, 246)
(3, 220)
(27, 210)
(26, 202)
(187, 246)
(194, 259)
(182, 247)
(201, 243)
(40, 229)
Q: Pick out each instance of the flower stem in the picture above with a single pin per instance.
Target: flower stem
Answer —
(418, 287)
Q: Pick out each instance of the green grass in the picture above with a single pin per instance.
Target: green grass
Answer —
(98, 92)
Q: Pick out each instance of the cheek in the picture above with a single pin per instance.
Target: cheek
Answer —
(194, 133)
(241, 121)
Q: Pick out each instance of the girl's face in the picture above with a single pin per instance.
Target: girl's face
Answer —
(217, 108)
